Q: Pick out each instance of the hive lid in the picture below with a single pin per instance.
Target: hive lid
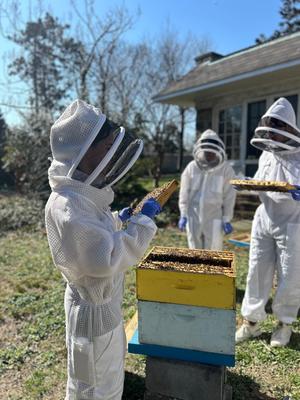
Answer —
(189, 260)
(271, 186)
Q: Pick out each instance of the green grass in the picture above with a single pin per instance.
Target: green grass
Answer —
(32, 341)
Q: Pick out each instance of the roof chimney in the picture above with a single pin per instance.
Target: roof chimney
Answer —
(212, 56)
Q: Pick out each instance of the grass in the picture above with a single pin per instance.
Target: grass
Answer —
(32, 341)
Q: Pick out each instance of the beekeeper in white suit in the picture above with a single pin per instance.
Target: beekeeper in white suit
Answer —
(275, 238)
(206, 199)
(89, 246)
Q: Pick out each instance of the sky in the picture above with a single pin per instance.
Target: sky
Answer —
(229, 25)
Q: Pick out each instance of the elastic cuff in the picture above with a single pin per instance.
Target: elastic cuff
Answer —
(226, 219)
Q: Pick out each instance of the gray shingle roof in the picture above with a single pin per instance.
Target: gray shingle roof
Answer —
(269, 54)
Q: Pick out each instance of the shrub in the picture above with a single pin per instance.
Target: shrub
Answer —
(20, 212)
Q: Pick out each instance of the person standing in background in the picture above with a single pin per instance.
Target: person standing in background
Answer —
(206, 199)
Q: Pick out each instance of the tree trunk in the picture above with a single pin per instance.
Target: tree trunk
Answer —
(157, 170)
(180, 140)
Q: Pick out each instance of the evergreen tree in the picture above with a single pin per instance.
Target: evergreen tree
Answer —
(42, 63)
(290, 14)
(3, 132)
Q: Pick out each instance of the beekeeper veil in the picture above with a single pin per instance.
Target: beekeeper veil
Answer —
(83, 130)
(209, 151)
(277, 130)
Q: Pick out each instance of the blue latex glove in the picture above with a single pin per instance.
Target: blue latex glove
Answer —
(151, 208)
(125, 214)
(295, 193)
(182, 223)
(227, 228)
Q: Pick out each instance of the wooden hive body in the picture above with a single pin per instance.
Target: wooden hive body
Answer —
(190, 277)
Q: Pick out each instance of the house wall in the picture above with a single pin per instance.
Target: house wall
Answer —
(256, 92)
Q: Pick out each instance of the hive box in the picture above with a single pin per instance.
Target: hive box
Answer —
(200, 278)
(187, 327)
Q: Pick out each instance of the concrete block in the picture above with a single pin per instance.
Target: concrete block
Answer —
(227, 395)
(184, 380)
(155, 396)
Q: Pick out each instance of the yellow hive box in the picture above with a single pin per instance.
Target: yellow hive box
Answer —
(183, 276)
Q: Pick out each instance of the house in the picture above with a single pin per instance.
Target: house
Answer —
(230, 93)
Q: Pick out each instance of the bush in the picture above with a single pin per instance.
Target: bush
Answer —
(20, 212)
(26, 153)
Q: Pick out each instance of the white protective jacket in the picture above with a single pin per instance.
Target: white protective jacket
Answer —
(92, 251)
(275, 243)
(207, 200)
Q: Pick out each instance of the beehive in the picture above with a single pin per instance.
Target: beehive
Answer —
(271, 186)
(189, 277)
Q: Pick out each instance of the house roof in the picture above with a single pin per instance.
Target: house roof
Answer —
(258, 59)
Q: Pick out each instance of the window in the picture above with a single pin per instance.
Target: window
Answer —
(255, 112)
(204, 120)
(230, 122)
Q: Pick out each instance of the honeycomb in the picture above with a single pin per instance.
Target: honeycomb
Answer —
(161, 194)
(189, 260)
(271, 186)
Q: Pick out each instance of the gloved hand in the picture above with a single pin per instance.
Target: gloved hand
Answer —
(125, 214)
(151, 207)
(182, 223)
(295, 193)
(227, 228)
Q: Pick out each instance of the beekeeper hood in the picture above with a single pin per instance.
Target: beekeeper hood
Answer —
(277, 130)
(82, 127)
(209, 151)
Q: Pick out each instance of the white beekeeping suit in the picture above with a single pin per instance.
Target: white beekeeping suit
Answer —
(206, 198)
(275, 244)
(90, 249)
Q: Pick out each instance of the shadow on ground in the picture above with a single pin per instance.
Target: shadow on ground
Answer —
(245, 388)
(134, 387)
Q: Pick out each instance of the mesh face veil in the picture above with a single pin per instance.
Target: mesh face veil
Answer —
(209, 152)
(277, 131)
(83, 130)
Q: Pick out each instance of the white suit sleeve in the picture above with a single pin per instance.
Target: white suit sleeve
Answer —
(229, 195)
(90, 249)
(117, 219)
(184, 192)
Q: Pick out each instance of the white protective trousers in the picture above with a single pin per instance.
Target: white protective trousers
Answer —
(207, 200)
(95, 365)
(275, 245)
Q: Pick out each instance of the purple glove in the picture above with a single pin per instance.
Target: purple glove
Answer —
(182, 223)
(125, 214)
(295, 193)
(227, 228)
(151, 208)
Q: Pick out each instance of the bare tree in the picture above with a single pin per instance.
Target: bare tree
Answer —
(169, 58)
(100, 38)
(177, 55)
